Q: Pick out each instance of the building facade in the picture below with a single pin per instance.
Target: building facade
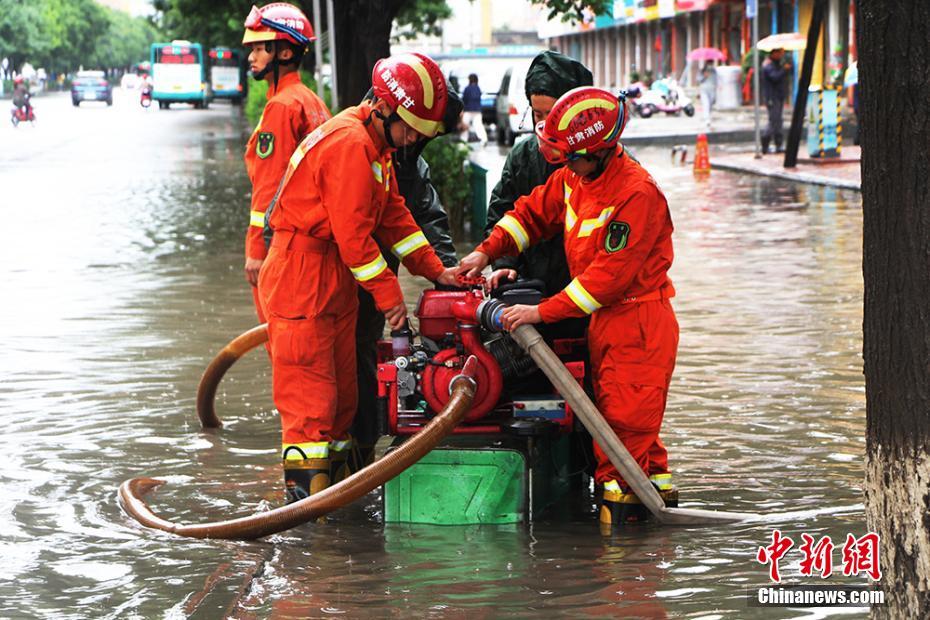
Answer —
(654, 36)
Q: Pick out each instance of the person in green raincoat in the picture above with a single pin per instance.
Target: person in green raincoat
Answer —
(549, 77)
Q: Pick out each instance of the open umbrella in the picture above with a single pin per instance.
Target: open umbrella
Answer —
(706, 54)
(788, 41)
(852, 74)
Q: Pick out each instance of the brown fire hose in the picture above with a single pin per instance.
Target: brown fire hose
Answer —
(206, 391)
(336, 496)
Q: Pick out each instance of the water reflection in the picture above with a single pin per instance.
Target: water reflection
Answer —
(125, 278)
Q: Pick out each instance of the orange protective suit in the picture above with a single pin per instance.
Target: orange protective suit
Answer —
(292, 112)
(339, 191)
(618, 242)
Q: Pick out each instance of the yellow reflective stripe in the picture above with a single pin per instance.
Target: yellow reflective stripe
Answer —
(341, 445)
(257, 218)
(409, 244)
(376, 168)
(590, 225)
(612, 485)
(302, 451)
(369, 270)
(580, 107)
(582, 298)
(516, 230)
(663, 481)
(570, 217)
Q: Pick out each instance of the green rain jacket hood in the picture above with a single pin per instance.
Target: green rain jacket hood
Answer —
(554, 74)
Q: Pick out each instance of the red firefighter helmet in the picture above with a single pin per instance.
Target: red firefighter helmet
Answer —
(582, 122)
(278, 21)
(18, 79)
(414, 86)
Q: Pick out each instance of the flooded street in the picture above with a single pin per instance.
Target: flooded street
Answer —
(123, 277)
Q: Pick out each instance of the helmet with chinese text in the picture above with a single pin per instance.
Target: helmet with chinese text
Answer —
(582, 122)
(413, 85)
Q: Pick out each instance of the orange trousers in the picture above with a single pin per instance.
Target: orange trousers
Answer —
(633, 349)
(311, 303)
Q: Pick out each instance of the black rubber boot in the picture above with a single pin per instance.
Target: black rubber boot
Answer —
(765, 145)
(303, 478)
(619, 508)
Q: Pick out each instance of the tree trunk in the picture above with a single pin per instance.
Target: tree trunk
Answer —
(363, 36)
(894, 45)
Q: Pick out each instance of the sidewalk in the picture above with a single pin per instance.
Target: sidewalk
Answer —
(736, 125)
(842, 172)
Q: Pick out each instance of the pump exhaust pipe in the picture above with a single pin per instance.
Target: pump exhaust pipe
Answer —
(528, 338)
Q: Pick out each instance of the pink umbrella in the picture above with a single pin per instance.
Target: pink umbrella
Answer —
(706, 53)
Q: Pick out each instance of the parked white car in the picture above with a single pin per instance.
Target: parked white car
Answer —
(513, 109)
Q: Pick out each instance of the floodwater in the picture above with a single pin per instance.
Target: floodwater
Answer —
(122, 278)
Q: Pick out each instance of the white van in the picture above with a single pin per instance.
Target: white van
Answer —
(513, 110)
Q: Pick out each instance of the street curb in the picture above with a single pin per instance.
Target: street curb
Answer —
(798, 177)
(713, 137)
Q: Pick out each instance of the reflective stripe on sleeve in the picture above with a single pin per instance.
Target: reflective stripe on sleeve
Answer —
(257, 218)
(369, 270)
(409, 244)
(516, 230)
(581, 297)
(303, 451)
(376, 168)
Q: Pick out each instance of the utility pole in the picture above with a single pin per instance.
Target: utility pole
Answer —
(752, 5)
(317, 47)
(800, 100)
(331, 32)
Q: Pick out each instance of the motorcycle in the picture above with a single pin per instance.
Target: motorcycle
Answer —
(20, 115)
(145, 96)
(665, 95)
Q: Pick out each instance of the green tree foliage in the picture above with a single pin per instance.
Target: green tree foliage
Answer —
(572, 11)
(422, 16)
(64, 35)
(447, 157)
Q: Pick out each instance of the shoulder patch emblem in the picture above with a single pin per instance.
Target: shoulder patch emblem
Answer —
(618, 233)
(264, 146)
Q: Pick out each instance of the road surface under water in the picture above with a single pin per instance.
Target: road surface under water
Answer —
(123, 277)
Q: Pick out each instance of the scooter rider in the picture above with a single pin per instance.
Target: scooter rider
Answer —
(550, 76)
(617, 232)
(339, 192)
(278, 35)
(21, 96)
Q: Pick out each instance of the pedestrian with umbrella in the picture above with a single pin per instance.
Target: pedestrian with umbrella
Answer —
(707, 80)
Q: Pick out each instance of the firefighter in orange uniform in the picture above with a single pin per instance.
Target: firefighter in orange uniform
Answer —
(278, 35)
(618, 241)
(339, 195)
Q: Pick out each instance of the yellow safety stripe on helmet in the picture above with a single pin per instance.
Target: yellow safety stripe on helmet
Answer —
(417, 65)
(430, 129)
(369, 270)
(341, 445)
(379, 174)
(590, 225)
(513, 226)
(612, 485)
(570, 217)
(663, 481)
(257, 218)
(581, 106)
(582, 298)
(409, 244)
(303, 451)
(252, 36)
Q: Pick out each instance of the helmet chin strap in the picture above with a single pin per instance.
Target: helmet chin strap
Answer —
(388, 121)
(275, 64)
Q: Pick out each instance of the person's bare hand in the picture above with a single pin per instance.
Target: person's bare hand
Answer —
(252, 267)
(497, 278)
(447, 277)
(396, 316)
(520, 314)
(473, 264)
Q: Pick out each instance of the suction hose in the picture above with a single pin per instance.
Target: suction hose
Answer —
(336, 496)
(206, 390)
(528, 338)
